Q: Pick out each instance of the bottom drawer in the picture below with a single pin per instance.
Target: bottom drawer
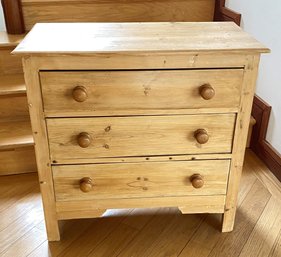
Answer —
(140, 180)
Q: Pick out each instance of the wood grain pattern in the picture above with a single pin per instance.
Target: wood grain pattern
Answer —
(19, 160)
(173, 237)
(41, 148)
(140, 179)
(58, 38)
(106, 227)
(136, 60)
(240, 139)
(139, 136)
(276, 249)
(20, 222)
(14, 135)
(116, 11)
(21, 248)
(10, 195)
(264, 175)
(232, 245)
(14, 107)
(30, 199)
(69, 214)
(208, 231)
(139, 90)
(170, 158)
(267, 226)
(194, 204)
(12, 84)
(9, 64)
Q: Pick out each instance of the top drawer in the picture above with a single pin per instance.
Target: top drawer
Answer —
(89, 91)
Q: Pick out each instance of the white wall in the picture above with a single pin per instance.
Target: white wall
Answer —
(2, 22)
(262, 19)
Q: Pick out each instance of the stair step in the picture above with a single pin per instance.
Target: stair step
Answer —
(12, 84)
(17, 161)
(16, 141)
(15, 134)
(13, 107)
(10, 64)
(8, 40)
(36, 11)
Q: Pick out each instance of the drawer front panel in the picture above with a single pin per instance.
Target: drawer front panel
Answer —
(74, 138)
(140, 90)
(128, 180)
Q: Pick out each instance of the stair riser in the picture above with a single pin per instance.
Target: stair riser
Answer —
(9, 64)
(17, 158)
(13, 107)
(116, 11)
(17, 161)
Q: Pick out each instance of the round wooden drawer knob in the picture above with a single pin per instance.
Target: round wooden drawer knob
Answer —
(207, 92)
(84, 139)
(79, 94)
(201, 136)
(86, 185)
(197, 181)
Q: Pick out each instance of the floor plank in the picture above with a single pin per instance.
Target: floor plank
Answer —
(20, 227)
(95, 234)
(276, 249)
(41, 251)
(260, 170)
(13, 188)
(20, 208)
(115, 242)
(26, 244)
(251, 209)
(70, 231)
(150, 233)
(175, 236)
(209, 230)
(138, 218)
(268, 226)
(228, 244)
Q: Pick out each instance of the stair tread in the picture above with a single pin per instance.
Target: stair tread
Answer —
(43, 1)
(8, 40)
(15, 134)
(12, 84)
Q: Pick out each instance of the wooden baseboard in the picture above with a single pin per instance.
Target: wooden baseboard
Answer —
(223, 13)
(262, 148)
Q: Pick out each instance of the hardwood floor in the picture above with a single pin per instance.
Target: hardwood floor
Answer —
(145, 232)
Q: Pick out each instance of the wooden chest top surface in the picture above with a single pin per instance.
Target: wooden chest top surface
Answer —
(85, 38)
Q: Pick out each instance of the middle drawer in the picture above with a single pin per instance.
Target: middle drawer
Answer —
(80, 138)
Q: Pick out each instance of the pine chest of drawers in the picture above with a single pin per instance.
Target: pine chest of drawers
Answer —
(134, 115)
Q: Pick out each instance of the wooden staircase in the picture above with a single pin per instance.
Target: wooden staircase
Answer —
(16, 141)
